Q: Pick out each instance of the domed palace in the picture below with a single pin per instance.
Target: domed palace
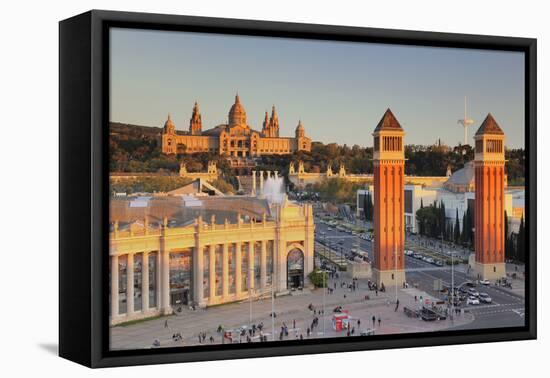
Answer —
(236, 139)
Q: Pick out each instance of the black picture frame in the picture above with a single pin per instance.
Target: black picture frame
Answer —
(83, 196)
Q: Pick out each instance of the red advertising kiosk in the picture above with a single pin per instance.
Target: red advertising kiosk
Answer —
(340, 321)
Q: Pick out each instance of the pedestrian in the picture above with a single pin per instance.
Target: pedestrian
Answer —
(308, 331)
(415, 298)
(373, 320)
(200, 339)
(166, 323)
(294, 323)
(376, 291)
(379, 321)
(358, 323)
(396, 305)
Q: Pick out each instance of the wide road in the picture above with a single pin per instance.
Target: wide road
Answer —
(506, 309)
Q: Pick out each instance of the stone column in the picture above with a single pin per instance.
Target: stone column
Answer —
(165, 286)
(225, 271)
(238, 266)
(114, 286)
(198, 269)
(130, 284)
(212, 270)
(158, 282)
(254, 182)
(144, 282)
(251, 261)
(263, 265)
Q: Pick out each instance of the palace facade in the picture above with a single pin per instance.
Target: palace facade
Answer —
(236, 139)
(173, 251)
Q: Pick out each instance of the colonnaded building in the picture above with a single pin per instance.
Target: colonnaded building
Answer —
(234, 139)
(169, 251)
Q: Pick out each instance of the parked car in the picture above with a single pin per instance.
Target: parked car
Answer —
(430, 260)
(485, 298)
(439, 263)
(485, 282)
(472, 301)
(473, 292)
(471, 284)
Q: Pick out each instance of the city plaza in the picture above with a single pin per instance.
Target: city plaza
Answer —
(190, 253)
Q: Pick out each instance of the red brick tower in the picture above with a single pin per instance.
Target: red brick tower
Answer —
(389, 206)
(489, 200)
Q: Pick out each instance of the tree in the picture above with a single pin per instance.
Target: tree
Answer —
(465, 225)
(456, 236)
(509, 252)
(427, 217)
(368, 206)
(442, 221)
(521, 241)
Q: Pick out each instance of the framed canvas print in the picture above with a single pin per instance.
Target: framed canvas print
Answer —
(234, 188)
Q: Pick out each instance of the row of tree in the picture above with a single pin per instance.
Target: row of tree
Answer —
(137, 149)
(432, 222)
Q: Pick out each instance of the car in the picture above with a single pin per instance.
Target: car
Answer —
(417, 256)
(367, 332)
(329, 229)
(473, 292)
(430, 260)
(439, 263)
(472, 301)
(471, 284)
(485, 282)
(485, 298)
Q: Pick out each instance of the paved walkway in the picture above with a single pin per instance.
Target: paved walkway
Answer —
(289, 309)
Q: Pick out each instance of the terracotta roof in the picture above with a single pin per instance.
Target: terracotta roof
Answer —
(489, 126)
(388, 122)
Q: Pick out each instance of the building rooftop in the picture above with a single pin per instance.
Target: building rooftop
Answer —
(489, 126)
(183, 210)
(388, 122)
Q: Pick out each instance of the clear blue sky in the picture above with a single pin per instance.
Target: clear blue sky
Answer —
(338, 89)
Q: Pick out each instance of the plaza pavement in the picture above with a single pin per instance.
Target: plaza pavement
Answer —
(288, 308)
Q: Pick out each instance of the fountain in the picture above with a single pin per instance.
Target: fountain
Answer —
(274, 190)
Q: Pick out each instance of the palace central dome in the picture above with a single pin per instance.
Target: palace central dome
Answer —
(237, 114)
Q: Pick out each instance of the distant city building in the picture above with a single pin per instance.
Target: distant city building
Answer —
(236, 139)
(300, 178)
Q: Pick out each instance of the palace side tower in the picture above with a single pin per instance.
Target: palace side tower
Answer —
(489, 200)
(389, 207)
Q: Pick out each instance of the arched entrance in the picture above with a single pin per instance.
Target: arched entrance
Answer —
(295, 269)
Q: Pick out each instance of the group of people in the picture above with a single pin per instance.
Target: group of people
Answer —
(373, 286)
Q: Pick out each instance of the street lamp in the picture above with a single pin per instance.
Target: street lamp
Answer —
(272, 310)
(250, 282)
(325, 273)
(395, 280)
(452, 279)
